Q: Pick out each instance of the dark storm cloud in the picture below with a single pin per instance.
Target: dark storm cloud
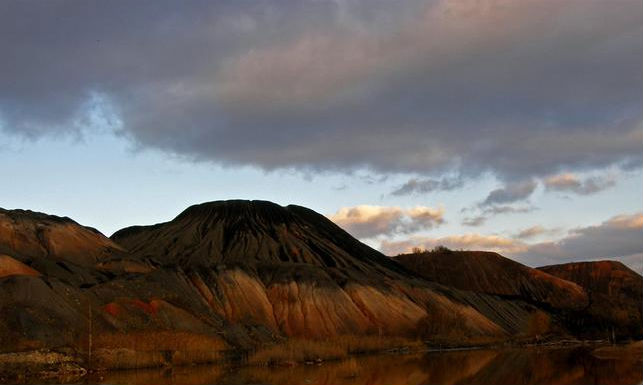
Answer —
(517, 88)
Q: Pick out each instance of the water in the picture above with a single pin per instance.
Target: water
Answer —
(519, 366)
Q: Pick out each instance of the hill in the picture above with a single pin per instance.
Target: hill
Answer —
(490, 273)
(290, 269)
(615, 297)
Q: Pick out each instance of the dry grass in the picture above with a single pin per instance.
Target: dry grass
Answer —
(300, 350)
(39, 364)
(154, 348)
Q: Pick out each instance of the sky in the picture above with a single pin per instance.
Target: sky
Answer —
(513, 126)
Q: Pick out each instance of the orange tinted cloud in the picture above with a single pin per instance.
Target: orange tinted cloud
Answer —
(366, 221)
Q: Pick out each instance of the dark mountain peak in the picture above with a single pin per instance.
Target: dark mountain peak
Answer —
(252, 232)
(237, 213)
(235, 209)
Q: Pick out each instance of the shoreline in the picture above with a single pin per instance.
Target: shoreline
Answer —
(58, 367)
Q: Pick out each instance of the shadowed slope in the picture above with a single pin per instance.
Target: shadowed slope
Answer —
(252, 233)
(615, 292)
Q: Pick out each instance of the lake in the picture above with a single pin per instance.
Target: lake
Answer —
(577, 365)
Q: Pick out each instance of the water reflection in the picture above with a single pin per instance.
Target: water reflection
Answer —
(524, 366)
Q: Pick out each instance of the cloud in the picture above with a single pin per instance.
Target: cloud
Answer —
(534, 231)
(634, 262)
(531, 232)
(491, 211)
(474, 221)
(496, 210)
(466, 241)
(618, 237)
(571, 183)
(511, 192)
(370, 221)
(423, 186)
(499, 202)
(427, 87)
(486, 212)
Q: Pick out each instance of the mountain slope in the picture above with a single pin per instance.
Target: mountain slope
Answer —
(491, 273)
(252, 233)
(615, 293)
(28, 234)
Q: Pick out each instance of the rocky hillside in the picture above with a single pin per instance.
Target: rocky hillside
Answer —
(31, 235)
(615, 295)
(490, 273)
(596, 300)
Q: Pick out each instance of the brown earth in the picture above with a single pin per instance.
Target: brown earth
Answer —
(490, 273)
(596, 300)
(9, 267)
(615, 297)
(26, 234)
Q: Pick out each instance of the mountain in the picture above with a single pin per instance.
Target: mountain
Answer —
(615, 297)
(290, 269)
(253, 234)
